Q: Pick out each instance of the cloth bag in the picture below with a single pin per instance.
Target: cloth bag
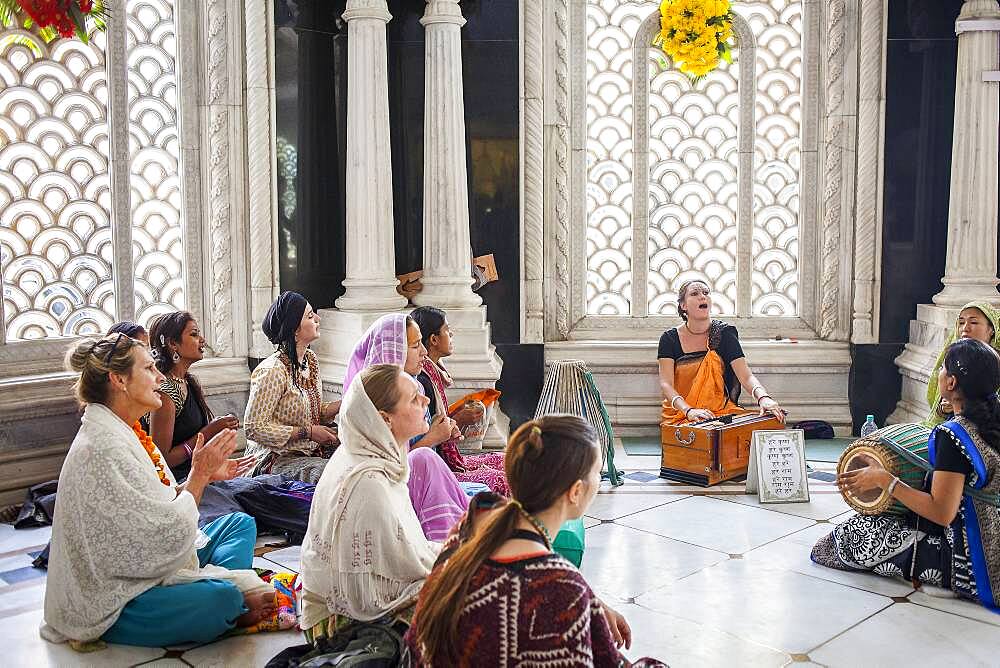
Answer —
(570, 541)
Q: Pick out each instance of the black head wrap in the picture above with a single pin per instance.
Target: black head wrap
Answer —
(128, 328)
(282, 319)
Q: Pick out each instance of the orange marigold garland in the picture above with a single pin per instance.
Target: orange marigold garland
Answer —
(147, 444)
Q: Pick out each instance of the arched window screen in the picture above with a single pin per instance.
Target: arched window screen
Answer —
(57, 239)
(723, 166)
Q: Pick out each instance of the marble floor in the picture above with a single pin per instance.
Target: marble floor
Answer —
(704, 577)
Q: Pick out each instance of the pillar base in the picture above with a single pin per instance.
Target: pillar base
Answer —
(928, 333)
(474, 365)
(371, 297)
(960, 291)
(447, 293)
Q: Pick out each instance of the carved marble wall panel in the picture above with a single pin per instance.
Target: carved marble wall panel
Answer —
(55, 199)
(154, 158)
(694, 198)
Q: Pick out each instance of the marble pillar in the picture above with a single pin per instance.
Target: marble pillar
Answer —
(971, 261)
(370, 283)
(447, 280)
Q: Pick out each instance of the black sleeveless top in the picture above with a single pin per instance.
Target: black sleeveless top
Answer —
(189, 419)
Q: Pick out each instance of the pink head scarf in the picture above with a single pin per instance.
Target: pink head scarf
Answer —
(383, 343)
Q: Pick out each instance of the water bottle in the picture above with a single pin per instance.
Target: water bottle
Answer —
(869, 426)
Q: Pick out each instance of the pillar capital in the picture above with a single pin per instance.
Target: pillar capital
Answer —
(366, 9)
(443, 11)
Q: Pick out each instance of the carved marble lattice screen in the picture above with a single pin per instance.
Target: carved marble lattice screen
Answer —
(694, 199)
(154, 157)
(57, 239)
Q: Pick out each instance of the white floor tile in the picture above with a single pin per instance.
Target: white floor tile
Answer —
(821, 506)
(589, 522)
(624, 562)
(913, 635)
(612, 506)
(14, 600)
(955, 605)
(780, 609)
(18, 540)
(251, 650)
(287, 557)
(164, 663)
(792, 553)
(719, 525)
(680, 642)
(24, 647)
(12, 563)
(261, 562)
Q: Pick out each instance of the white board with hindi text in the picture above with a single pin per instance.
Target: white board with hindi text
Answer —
(777, 470)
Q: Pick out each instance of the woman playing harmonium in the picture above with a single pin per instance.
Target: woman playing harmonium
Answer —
(976, 320)
(948, 531)
(702, 365)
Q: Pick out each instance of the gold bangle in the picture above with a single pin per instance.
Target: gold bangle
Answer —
(672, 402)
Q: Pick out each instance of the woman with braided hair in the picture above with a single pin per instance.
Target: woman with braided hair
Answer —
(286, 418)
(952, 536)
(498, 595)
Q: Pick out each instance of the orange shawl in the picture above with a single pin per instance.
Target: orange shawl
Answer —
(702, 385)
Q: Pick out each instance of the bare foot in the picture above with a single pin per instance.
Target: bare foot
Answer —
(261, 605)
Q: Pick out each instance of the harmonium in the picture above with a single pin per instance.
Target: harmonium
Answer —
(708, 452)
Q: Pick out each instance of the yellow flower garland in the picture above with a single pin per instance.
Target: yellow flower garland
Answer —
(696, 34)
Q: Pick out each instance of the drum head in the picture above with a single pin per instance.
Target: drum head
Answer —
(870, 502)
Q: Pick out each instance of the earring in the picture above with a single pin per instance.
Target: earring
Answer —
(176, 357)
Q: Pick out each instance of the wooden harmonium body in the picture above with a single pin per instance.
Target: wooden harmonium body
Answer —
(706, 453)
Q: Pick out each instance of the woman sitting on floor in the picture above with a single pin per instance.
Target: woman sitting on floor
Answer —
(498, 595)
(125, 564)
(365, 554)
(183, 413)
(437, 497)
(976, 320)
(702, 365)
(286, 416)
(952, 537)
(438, 340)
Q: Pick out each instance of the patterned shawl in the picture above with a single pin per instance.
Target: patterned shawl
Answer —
(975, 531)
(933, 395)
(364, 553)
(117, 532)
(383, 343)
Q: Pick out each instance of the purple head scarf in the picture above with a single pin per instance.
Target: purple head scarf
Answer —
(383, 343)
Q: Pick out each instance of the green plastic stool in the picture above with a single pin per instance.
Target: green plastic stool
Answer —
(570, 542)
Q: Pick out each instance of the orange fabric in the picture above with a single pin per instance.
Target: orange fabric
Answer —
(487, 396)
(702, 386)
(520, 557)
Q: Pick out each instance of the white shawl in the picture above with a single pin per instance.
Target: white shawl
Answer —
(364, 553)
(117, 532)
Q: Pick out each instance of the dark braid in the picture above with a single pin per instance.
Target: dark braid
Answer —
(291, 352)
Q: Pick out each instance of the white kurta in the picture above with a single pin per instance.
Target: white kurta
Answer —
(117, 532)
